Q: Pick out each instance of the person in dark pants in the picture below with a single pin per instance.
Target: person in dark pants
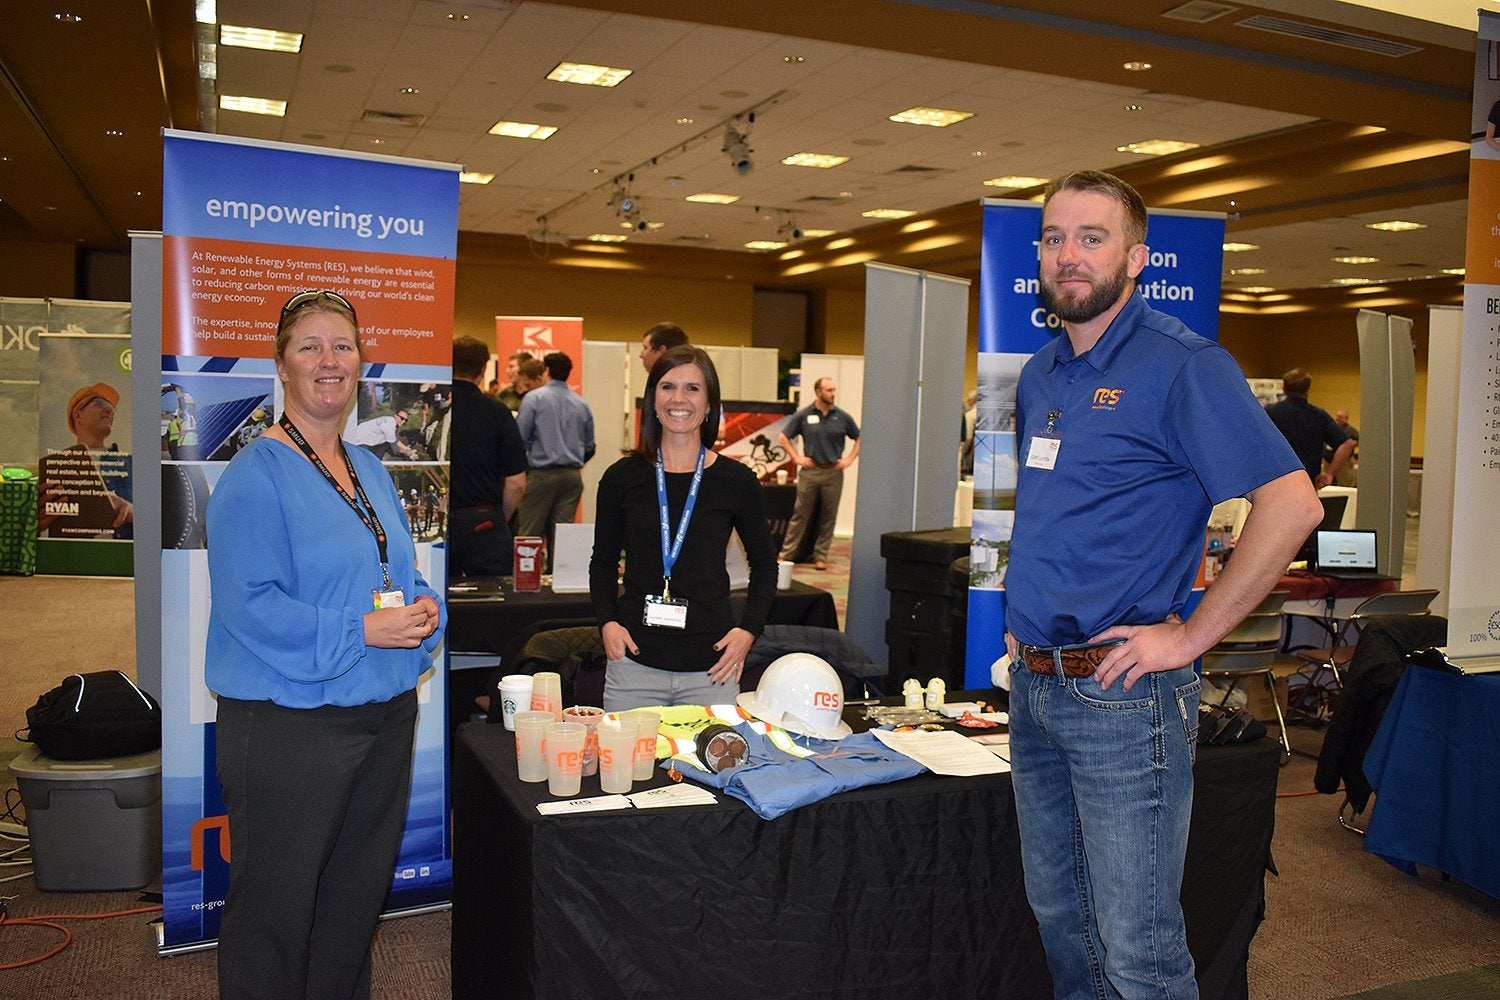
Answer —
(488, 469)
(820, 469)
(319, 629)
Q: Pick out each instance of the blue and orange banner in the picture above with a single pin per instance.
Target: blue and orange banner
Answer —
(1182, 277)
(246, 225)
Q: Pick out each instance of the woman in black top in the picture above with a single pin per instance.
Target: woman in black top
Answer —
(671, 637)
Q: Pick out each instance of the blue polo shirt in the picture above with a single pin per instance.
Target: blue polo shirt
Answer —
(1157, 425)
(822, 434)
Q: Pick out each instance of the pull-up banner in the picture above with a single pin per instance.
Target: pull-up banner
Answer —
(246, 225)
(1182, 278)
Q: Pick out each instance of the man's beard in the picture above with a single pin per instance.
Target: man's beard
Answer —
(1104, 295)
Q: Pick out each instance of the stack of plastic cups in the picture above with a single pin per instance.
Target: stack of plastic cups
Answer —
(565, 758)
(546, 693)
(616, 754)
(531, 746)
(645, 743)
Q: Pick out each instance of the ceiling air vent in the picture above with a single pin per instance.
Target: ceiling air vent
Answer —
(393, 118)
(915, 168)
(822, 197)
(1199, 11)
(1329, 36)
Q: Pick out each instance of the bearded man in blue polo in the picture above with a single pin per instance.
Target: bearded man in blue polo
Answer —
(1130, 427)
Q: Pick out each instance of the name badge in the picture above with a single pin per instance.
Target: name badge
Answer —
(1043, 452)
(812, 418)
(389, 599)
(665, 612)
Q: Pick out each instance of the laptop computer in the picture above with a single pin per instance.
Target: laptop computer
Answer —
(1346, 555)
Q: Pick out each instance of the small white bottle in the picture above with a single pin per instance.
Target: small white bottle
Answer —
(936, 691)
(912, 689)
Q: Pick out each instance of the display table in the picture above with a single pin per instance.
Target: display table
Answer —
(482, 622)
(912, 886)
(1433, 764)
(1317, 606)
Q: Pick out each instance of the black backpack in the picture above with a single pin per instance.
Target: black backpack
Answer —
(90, 716)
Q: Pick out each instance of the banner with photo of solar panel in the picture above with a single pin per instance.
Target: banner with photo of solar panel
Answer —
(247, 224)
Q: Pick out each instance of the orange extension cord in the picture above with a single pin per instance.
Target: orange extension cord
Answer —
(6, 920)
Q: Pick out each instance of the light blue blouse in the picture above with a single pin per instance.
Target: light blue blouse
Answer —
(293, 572)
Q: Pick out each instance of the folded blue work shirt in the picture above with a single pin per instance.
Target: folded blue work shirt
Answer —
(785, 771)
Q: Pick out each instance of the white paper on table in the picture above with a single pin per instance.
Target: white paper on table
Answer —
(672, 795)
(594, 803)
(944, 752)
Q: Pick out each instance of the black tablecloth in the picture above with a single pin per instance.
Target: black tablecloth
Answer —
(915, 885)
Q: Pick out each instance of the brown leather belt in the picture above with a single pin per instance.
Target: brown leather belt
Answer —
(1077, 661)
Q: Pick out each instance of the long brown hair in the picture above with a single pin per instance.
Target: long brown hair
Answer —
(708, 432)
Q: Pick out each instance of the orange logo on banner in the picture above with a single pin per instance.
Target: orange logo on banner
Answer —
(541, 335)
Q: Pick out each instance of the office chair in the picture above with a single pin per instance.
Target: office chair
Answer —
(1332, 659)
(1250, 650)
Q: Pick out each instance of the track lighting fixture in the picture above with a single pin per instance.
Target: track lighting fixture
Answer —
(737, 146)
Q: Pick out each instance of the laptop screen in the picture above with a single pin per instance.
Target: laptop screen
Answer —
(1345, 550)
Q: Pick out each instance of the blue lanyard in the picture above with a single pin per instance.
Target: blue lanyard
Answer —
(670, 552)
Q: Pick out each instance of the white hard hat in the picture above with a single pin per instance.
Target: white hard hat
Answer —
(800, 693)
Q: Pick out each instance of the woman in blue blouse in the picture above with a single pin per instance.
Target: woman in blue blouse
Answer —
(319, 628)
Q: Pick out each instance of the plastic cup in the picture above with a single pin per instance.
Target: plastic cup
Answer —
(589, 717)
(565, 757)
(546, 693)
(780, 477)
(616, 754)
(645, 743)
(531, 737)
(515, 696)
(784, 574)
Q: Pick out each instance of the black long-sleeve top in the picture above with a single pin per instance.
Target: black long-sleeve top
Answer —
(627, 520)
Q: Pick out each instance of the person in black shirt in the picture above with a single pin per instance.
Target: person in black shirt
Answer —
(1308, 428)
(488, 466)
(672, 637)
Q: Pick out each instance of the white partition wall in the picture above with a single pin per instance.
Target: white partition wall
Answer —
(744, 372)
(1387, 396)
(916, 338)
(1434, 544)
(606, 388)
(848, 373)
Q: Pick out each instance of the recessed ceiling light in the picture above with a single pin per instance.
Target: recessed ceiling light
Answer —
(1136, 66)
(820, 160)
(67, 18)
(1258, 289)
(794, 60)
(684, 120)
(709, 198)
(606, 238)
(1352, 281)
(1240, 247)
(1134, 107)
(587, 74)
(1395, 226)
(1455, 271)
(474, 177)
(887, 213)
(817, 234)
(1156, 147)
(1247, 271)
(1356, 260)
(458, 17)
(377, 141)
(253, 105)
(523, 130)
(410, 90)
(651, 226)
(114, 133)
(936, 117)
(1015, 182)
(265, 39)
(764, 245)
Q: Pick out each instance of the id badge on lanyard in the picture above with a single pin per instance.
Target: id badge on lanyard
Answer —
(664, 611)
(1045, 444)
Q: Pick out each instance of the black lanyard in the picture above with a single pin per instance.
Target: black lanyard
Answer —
(366, 512)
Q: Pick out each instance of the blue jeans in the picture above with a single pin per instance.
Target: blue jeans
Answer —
(1104, 791)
